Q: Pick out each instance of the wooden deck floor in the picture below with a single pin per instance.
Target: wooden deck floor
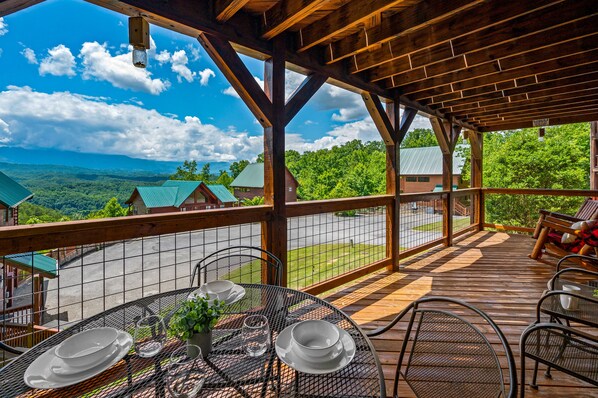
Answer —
(489, 270)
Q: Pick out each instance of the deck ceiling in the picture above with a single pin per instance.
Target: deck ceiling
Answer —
(487, 65)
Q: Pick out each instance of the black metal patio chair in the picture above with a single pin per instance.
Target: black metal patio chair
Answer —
(241, 264)
(446, 355)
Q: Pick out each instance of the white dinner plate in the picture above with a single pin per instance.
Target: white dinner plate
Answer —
(236, 294)
(40, 375)
(287, 352)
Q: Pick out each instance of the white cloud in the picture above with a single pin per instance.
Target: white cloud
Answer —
(3, 27)
(233, 93)
(118, 70)
(29, 54)
(162, 57)
(363, 130)
(205, 76)
(194, 51)
(59, 62)
(69, 121)
(179, 62)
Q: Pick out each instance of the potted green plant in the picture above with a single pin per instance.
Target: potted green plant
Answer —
(194, 321)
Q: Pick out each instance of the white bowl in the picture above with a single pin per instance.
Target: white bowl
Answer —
(87, 347)
(315, 338)
(220, 289)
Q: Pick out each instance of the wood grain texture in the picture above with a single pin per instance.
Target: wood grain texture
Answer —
(488, 270)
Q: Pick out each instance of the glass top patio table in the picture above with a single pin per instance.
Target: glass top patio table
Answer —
(229, 371)
(586, 312)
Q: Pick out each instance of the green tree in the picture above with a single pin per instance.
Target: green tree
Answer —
(187, 172)
(111, 209)
(517, 159)
(224, 179)
(237, 167)
(419, 138)
(255, 201)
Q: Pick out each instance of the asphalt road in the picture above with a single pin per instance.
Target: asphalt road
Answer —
(128, 270)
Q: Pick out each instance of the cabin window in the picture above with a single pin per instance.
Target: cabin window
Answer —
(411, 179)
(423, 179)
(290, 189)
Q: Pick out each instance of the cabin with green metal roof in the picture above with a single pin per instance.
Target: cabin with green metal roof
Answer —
(12, 194)
(177, 195)
(250, 183)
(421, 169)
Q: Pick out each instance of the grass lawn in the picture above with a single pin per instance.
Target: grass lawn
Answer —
(313, 264)
(437, 226)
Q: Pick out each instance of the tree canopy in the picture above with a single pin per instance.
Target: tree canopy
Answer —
(418, 138)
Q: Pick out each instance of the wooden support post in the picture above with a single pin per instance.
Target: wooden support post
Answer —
(269, 107)
(392, 128)
(37, 299)
(447, 141)
(476, 145)
(274, 235)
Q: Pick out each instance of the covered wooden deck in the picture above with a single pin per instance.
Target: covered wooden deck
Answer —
(489, 270)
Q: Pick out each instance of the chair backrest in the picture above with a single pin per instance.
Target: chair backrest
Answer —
(241, 264)
(450, 356)
(588, 210)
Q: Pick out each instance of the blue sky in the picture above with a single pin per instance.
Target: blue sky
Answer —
(66, 82)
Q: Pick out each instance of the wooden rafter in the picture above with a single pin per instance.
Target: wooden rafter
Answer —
(351, 14)
(287, 13)
(484, 49)
(237, 74)
(225, 9)
(468, 22)
(408, 115)
(405, 21)
(381, 120)
(554, 121)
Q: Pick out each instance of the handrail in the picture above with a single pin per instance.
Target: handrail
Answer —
(26, 238)
(306, 208)
(542, 191)
(420, 197)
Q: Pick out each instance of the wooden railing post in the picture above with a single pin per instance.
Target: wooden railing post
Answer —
(476, 145)
(447, 135)
(392, 129)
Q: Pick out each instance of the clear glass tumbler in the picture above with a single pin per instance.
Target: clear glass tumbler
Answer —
(256, 335)
(150, 335)
(184, 373)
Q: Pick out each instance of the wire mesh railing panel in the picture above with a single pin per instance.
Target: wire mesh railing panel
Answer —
(324, 246)
(420, 221)
(56, 289)
(464, 211)
(522, 210)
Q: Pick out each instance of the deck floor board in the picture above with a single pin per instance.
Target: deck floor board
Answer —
(490, 270)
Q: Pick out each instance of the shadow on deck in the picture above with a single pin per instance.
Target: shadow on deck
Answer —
(489, 270)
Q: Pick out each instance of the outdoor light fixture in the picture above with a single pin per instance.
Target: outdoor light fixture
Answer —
(139, 39)
(541, 132)
(541, 123)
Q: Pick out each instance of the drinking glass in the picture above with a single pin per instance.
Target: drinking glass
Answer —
(256, 335)
(185, 377)
(150, 335)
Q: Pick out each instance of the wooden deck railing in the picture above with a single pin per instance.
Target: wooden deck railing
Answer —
(22, 314)
(419, 208)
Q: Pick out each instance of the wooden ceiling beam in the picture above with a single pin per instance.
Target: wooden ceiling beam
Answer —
(483, 49)
(308, 87)
(237, 74)
(547, 115)
(11, 6)
(536, 107)
(225, 9)
(407, 118)
(348, 16)
(466, 23)
(514, 86)
(537, 112)
(506, 105)
(380, 117)
(470, 79)
(285, 14)
(543, 60)
(586, 117)
(403, 22)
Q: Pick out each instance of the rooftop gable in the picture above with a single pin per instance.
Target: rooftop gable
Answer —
(222, 193)
(427, 161)
(184, 189)
(11, 192)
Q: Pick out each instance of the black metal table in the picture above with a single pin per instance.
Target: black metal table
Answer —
(586, 312)
(229, 371)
